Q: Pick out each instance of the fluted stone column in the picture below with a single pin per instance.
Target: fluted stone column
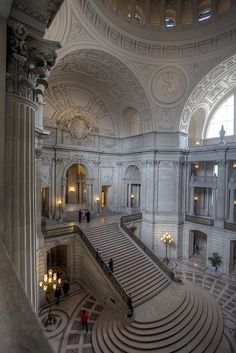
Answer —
(27, 67)
(20, 231)
(191, 201)
(220, 202)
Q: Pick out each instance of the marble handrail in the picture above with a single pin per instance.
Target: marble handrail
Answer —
(76, 230)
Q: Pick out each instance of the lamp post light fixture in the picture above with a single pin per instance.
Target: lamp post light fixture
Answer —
(49, 284)
(59, 210)
(98, 203)
(166, 239)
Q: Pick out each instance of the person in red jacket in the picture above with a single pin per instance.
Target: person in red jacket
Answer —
(84, 321)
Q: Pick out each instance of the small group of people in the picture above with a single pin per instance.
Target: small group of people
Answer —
(86, 213)
(58, 293)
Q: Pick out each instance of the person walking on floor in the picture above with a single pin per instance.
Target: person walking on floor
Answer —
(80, 215)
(84, 321)
(87, 214)
(110, 264)
(57, 295)
(66, 288)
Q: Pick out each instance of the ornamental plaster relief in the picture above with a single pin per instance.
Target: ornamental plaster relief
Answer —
(210, 90)
(111, 74)
(80, 120)
(77, 30)
(168, 85)
(166, 118)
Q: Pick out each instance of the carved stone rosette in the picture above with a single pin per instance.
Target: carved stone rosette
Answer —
(27, 66)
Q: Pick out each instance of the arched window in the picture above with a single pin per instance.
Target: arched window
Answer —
(204, 15)
(169, 22)
(224, 115)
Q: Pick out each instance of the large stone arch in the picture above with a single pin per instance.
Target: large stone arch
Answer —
(210, 90)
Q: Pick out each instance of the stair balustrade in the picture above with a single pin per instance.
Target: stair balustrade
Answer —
(151, 255)
(76, 230)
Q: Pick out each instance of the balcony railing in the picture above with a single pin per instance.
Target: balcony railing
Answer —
(204, 179)
(200, 220)
(51, 233)
(230, 226)
(136, 217)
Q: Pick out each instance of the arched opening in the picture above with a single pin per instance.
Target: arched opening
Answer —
(132, 188)
(76, 192)
(58, 260)
(198, 247)
(224, 115)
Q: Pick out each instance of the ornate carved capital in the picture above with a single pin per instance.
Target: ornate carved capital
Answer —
(38, 153)
(27, 64)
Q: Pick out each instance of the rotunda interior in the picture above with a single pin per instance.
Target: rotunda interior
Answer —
(118, 126)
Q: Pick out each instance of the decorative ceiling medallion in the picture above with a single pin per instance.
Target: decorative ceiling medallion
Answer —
(168, 85)
(77, 122)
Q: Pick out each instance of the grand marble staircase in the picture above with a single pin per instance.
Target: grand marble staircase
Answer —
(168, 316)
(182, 319)
(137, 274)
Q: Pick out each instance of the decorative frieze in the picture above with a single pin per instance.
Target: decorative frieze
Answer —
(218, 83)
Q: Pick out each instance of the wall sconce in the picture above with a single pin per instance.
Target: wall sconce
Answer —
(196, 166)
(72, 189)
(59, 202)
(197, 143)
(234, 164)
(195, 198)
(132, 196)
(234, 202)
(97, 199)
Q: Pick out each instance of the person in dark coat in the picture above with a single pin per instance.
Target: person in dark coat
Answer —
(57, 295)
(110, 264)
(87, 214)
(80, 215)
(66, 288)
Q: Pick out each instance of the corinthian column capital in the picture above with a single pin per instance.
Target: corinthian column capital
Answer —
(28, 63)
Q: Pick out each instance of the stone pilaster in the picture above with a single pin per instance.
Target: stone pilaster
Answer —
(220, 201)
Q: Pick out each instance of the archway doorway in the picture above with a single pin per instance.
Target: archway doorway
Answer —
(132, 180)
(76, 192)
(58, 259)
(105, 196)
(198, 246)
